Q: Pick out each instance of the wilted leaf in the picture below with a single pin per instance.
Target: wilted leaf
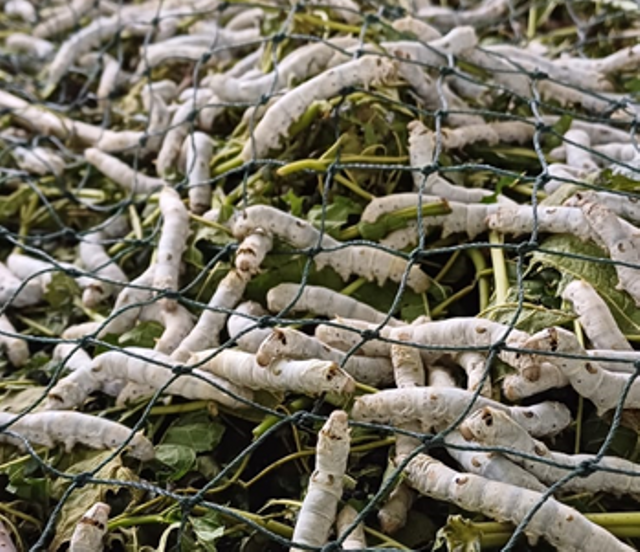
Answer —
(19, 400)
(10, 205)
(82, 498)
(601, 276)
(197, 431)
(531, 318)
(207, 529)
(458, 535)
(179, 458)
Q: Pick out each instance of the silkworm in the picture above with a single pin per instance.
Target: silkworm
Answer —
(16, 349)
(441, 406)
(323, 301)
(311, 377)
(237, 323)
(70, 428)
(91, 529)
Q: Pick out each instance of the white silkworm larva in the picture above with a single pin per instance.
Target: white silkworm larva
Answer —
(252, 251)
(625, 59)
(289, 343)
(299, 65)
(372, 264)
(206, 333)
(216, 42)
(595, 316)
(422, 145)
(620, 152)
(274, 126)
(64, 18)
(318, 511)
(356, 539)
(80, 43)
(490, 465)
(172, 243)
(177, 323)
(622, 241)
(97, 262)
(246, 19)
(17, 292)
(440, 406)
(28, 44)
(420, 29)
(122, 174)
(475, 366)
(438, 338)
(78, 331)
(41, 161)
(408, 371)
(199, 154)
(71, 428)
(560, 175)
(91, 529)
(492, 134)
(73, 357)
(485, 13)
(16, 349)
(519, 220)
(493, 428)
(22, 9)
(180, 127)
(440, 376)
(561, 525)
(129, 301)
(516, 386)
(625, 205)
(159, 117)
(435, 52)
(154, 369)
(49, 123)
(615, 361)
(323, 301)
(6, 542)
(586, 376)
(577, 154)
(311, 377)
(237, 323)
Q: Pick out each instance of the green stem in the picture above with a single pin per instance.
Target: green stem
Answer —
(620, 524)
(499, 267)
(441, 307)
(480, 264)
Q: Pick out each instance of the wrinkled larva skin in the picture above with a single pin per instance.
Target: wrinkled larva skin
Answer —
(320, 504)
(70, 428)
(490, 427)
(562, 526)
(91, 529)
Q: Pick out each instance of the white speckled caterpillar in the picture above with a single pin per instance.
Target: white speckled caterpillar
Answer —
(440, 406)
(70, 428)
(490, 427)
(318, 511)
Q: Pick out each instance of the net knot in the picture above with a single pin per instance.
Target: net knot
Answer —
(82, 479)
(278, 37)
(538, 75)
(264, 322)
(181, 370)
(527, 247)
(446, 71)
(331, 547)
(586, 468)
(204, 58)
(370, 335)
(636, 366)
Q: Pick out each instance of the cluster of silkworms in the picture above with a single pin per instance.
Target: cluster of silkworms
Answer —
(419, 376)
